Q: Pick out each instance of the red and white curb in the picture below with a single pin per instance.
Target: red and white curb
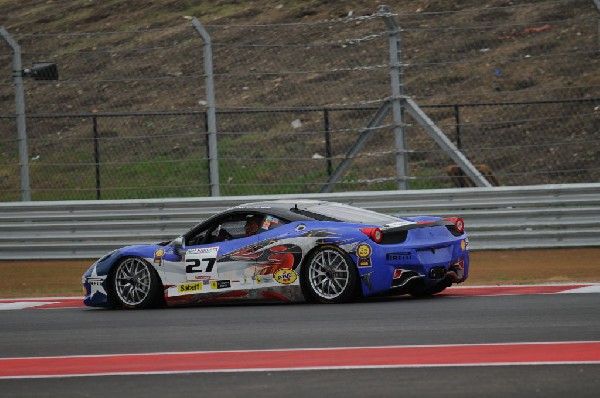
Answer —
(455, 291)
(41, 303)
(418, 356)
(511, 290)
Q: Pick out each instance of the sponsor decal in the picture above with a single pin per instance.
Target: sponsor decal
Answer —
(224, 284)
(189, 287)
(363, 252)
(158, 256)
(285, 276)
(95, 282)
(202, 277)
(204, 250)
(400, 256)
(263, 279)
(268, 221)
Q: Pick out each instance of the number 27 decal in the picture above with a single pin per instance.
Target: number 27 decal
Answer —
(200, 263)
(194, 265)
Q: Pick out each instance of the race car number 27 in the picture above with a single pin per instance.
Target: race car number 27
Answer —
(194, 265)
(200, 263)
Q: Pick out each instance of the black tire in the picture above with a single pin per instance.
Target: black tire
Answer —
(136, 285)
(329, 276)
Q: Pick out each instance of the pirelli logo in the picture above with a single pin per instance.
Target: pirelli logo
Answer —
(400, 256)
(189, 287)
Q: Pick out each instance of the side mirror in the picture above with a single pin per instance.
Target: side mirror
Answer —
(178, 244)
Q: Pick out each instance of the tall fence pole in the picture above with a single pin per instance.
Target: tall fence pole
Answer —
(397, 87)
(96, 155)
(20, 113)
(457, 126)
(213, 158)
(327, 141)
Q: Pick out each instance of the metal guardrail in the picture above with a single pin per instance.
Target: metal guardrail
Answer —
(544, 216)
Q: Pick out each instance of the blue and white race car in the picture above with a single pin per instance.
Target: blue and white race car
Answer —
(302, 250)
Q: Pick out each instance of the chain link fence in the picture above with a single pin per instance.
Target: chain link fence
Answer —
(515, 87)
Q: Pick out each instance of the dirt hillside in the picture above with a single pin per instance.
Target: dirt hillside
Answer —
(141, 57)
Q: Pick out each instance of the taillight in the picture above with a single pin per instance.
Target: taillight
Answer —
(397, 273)
(374, 233)
(460, 264)
(458, 222)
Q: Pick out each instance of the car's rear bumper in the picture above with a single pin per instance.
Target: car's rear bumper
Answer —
(401, 267)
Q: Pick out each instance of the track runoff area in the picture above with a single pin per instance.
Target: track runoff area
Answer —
(402, 356)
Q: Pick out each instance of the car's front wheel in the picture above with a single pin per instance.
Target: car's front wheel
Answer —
(329, 276)
(136, 284)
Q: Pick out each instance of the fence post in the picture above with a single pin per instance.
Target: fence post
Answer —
(96, 155)
(20, 113)
(397, 86)
(327, 141)
(213, 159)
(457, 123)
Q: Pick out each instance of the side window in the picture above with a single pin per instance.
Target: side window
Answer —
(229, 229)
(235, 226)
(197, 237)
(249, 224)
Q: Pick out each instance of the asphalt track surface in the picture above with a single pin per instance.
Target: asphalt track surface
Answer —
(458, 326)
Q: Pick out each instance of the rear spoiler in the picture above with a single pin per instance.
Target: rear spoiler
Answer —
(456, 222)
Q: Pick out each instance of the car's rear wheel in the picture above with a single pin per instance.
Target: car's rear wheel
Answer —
(136, 284)
(329, 276)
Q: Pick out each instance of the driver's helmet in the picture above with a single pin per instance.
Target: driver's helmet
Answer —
(252, 225)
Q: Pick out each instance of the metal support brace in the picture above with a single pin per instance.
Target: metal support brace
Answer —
(360, 142)
(442, 140)
(398, 103)
(213, 157)
(20, 113)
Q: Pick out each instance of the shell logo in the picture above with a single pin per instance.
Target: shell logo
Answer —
(285, 276)
(158, 256)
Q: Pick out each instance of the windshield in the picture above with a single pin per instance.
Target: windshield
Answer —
(345, 213)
